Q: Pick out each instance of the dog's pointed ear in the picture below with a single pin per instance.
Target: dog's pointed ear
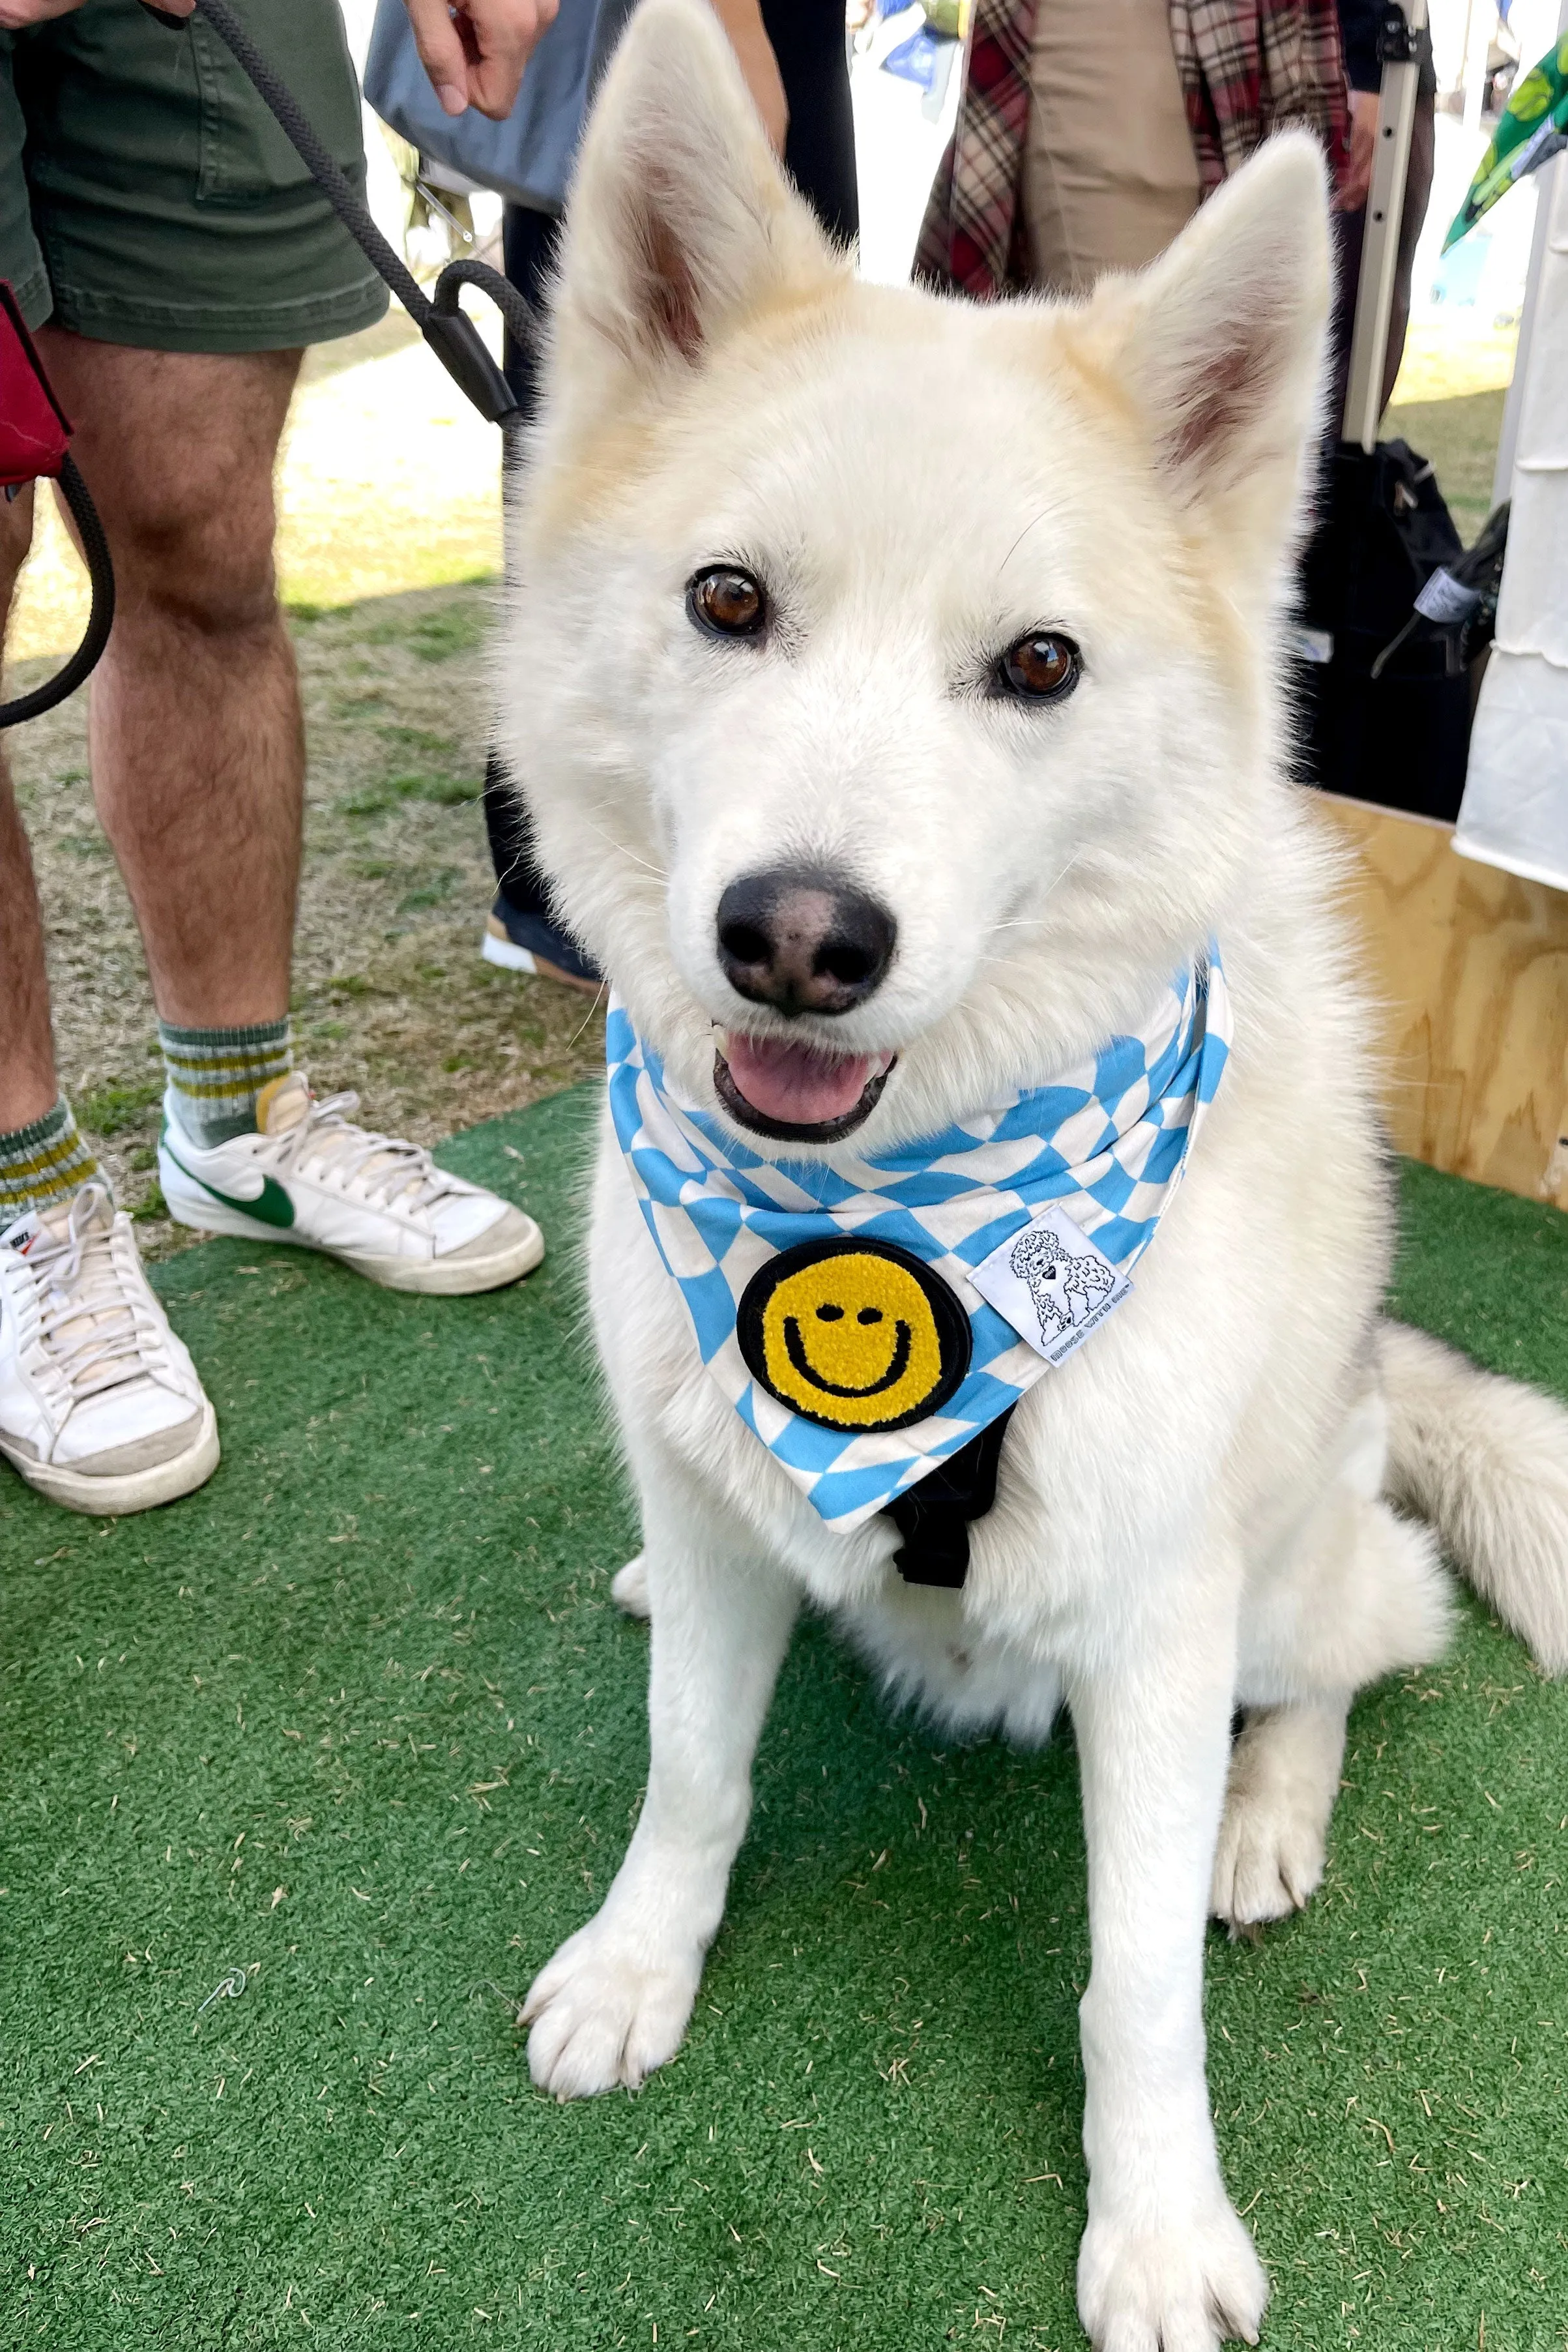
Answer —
(680, 221)
(1220, 343)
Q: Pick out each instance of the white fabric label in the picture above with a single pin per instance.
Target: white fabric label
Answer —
(1444, 599)
(1052, 1284)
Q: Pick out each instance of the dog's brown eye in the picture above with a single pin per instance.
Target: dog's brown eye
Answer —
(1041, 669)
(727, 602)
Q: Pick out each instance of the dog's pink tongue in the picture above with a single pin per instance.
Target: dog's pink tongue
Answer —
(798, 1084)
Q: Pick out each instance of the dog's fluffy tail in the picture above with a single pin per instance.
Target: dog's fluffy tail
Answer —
(1486, 1460)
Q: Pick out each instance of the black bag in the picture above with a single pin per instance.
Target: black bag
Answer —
(1385, 700)
(1390, 618)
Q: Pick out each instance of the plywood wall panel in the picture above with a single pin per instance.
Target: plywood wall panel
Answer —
(1473, 964)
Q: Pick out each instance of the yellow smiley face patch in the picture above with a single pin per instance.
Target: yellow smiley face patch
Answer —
(857, 1334)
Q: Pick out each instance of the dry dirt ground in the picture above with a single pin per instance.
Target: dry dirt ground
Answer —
(390, 994)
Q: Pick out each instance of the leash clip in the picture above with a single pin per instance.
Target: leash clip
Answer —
(463, 352)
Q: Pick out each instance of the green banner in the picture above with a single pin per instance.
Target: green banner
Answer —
(1534, 126)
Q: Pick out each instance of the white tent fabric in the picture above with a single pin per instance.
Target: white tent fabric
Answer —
(1515, 810)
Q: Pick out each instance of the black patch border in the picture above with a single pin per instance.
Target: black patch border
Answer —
(954, 1333)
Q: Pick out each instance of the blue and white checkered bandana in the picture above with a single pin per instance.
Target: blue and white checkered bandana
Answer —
(1107, 1143)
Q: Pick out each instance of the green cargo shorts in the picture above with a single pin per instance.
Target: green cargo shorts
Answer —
(148, 197)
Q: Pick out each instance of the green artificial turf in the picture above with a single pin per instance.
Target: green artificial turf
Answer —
(359, 1720)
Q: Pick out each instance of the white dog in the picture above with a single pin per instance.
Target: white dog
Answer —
(895, 685)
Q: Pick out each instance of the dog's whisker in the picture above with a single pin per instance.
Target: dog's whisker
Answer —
(1018, 542)
(1026, 922)
(660, 873)
(598, 999)
(1053, 887)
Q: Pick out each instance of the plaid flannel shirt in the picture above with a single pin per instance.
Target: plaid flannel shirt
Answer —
(1247, 67)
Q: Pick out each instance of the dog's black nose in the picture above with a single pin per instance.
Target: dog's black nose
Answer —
(803, 941)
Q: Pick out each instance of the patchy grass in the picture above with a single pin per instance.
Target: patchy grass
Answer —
(110, 1110)
(443, 792)
(438, 636)
(390, 994)
(1460, 434)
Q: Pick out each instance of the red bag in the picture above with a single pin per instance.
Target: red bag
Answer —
(34, 431)
(35, 443)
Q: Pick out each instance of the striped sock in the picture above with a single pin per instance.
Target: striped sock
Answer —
(43, 1164)
(218, 1073)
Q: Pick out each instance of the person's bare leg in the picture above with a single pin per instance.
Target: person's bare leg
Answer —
(28, 1082)
(198, 771)
(125, 1424)
(198, 759)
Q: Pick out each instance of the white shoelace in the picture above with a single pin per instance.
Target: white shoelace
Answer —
(93, 1323)
(408, 1176)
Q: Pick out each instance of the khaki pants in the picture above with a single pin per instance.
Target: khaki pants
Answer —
(1109, 176)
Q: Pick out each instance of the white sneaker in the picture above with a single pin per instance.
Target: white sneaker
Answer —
(101, 1407)
(308, 1176)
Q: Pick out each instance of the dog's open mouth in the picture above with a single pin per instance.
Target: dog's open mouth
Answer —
(795, 1092)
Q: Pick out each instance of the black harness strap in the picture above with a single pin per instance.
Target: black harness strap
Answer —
(934, 1516)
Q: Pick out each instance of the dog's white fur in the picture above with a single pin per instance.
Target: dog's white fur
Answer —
(1196, 1513)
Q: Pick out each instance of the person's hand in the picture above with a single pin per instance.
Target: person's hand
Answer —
(474, 50)
(15, 16)
(1357, 180)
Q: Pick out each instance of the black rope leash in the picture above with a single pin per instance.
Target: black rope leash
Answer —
(100, 617)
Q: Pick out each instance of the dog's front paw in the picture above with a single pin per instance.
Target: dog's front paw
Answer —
(607, 2009)
(1270, 1855)
(1268, 1865)
(1273, 1839)
(1187, 2289)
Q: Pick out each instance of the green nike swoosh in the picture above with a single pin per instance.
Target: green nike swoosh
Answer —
(272, 1206)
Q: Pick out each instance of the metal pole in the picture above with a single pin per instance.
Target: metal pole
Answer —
(1380, 243)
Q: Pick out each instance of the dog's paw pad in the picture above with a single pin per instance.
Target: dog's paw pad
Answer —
(1174, 2290)
(629, 1587)
(603, 2013)
(1269, 1860)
